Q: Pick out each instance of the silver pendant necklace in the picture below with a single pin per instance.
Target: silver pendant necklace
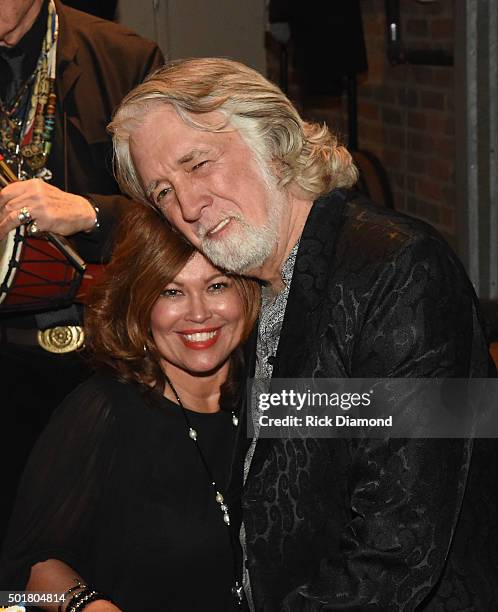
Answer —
(237, 589)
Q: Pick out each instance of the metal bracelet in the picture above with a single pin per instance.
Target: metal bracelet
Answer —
(95, 207)
(78, 585)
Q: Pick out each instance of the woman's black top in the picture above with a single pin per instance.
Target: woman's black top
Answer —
(116, 489)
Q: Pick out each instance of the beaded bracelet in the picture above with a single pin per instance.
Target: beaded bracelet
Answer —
(78, 585)
(80, 600)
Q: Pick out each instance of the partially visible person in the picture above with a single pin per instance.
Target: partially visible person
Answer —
(351, 291)
(125, 490)
(106, 10)
(62, 72)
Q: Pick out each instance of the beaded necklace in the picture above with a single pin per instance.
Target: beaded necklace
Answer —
(27, 126)
(237, 589)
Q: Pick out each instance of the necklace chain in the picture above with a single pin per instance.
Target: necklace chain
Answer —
(237, 589)
(27, 125)
(192, 433)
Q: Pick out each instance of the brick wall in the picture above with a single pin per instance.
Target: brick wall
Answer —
(405, 112)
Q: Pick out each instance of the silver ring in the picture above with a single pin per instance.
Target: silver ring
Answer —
(24, 215)
(32, 228)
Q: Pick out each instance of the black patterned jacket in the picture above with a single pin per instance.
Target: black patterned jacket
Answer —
(385, 525)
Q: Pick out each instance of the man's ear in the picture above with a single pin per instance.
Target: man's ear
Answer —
(277, 168)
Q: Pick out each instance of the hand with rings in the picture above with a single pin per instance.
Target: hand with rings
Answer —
(24, 215)
(23, 202)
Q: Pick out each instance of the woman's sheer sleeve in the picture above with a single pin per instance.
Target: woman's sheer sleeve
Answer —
(62, 487)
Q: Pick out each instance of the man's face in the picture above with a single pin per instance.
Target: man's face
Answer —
(210, 187)
(16, 18)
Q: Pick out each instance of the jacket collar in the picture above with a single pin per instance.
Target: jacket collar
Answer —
(67, 48)
(314, 264)
(309, 280)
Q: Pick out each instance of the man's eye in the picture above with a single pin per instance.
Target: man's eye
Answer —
(162, 194)
(200, 164)
(171, 293)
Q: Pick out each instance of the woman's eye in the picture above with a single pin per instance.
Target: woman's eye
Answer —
(217, 287)
(171, 293)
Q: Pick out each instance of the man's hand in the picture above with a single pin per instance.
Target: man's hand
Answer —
(52, 209)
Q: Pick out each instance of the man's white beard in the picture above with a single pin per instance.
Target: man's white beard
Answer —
(246, 247)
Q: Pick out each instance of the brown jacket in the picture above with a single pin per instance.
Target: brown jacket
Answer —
(98, 63)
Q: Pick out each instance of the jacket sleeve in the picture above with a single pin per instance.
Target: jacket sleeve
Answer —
(61, 489)
(141, 57)
(404, 495)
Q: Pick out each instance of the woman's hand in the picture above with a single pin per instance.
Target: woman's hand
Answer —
(101, 605)
(56, 576)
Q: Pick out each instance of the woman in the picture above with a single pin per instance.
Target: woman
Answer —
(124, 490)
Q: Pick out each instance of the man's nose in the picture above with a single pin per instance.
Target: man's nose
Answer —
(192, 199)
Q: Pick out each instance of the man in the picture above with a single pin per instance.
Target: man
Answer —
(350, 291)
(62, 73)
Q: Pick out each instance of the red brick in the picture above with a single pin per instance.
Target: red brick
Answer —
(433, 100)
(399, 200)
(408, 96)
(444, 148)
(411, 205)
(417, 120)
(398, 73)
(447, 217)
(417, 165)
(368, 110)
(437, 122)
(441, 28)
(420, 143)
(422, 75)
(398, 180)
(432, 213)
(392, 160)
(443, 77)
(391, 108)
(441, 169)
(416, 27)
(391, 116)
(449, 195)
(368, 9)
(371, 132)
(410, 184)
(373, 29)
(421, 209)
(449, 129)
(366, 91)
(429, 190)
(426, 10)
(384, 93)
(396, 137)
(376, 70)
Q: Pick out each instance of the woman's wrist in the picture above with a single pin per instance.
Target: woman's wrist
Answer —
(83, 598)
(101, 605)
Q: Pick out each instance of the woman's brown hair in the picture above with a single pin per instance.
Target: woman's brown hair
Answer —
(147, 256)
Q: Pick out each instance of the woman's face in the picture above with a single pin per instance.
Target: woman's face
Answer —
(198, 320)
